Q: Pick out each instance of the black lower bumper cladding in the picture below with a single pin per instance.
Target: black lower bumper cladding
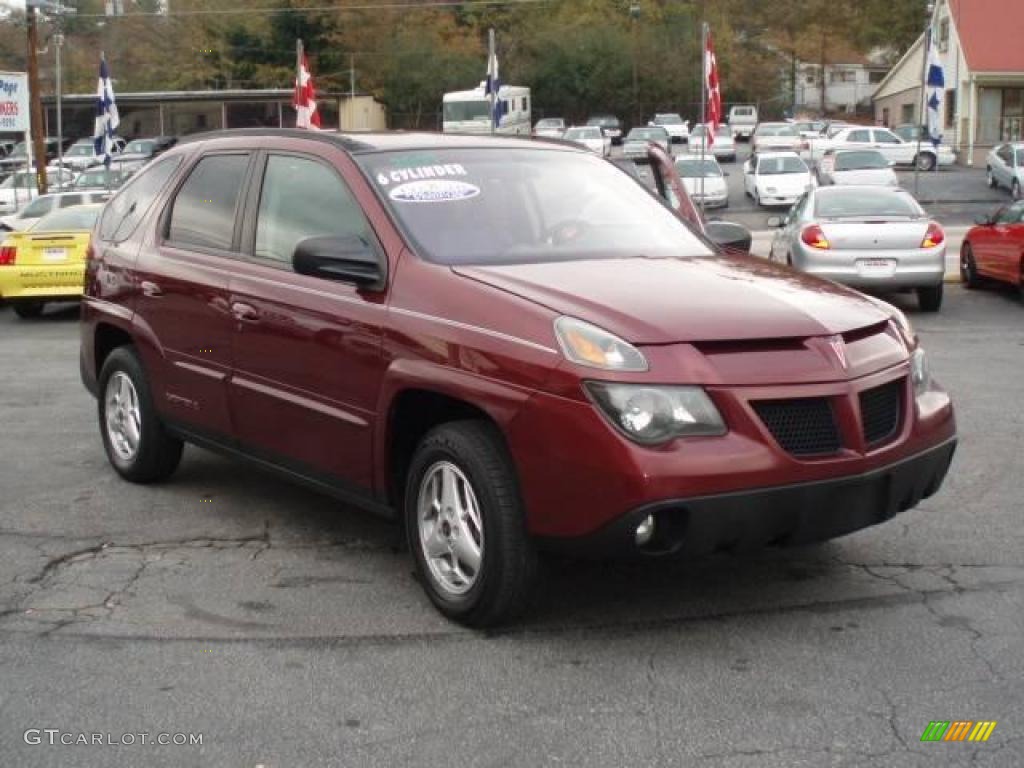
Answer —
(788, 515)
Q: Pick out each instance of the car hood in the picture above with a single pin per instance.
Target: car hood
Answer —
(669, 300)
(796, 182)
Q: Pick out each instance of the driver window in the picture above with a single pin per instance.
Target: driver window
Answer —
(302, 198)
(884, 137)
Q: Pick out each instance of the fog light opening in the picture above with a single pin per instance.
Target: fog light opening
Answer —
(645, 531)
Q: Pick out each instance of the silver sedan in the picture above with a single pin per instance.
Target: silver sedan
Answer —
(867, 237)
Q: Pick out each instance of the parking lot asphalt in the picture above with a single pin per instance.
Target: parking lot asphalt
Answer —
(289, 631)
(954, 196)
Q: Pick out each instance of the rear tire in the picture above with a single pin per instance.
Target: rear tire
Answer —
(968, 268)
(990, 178)
(136, 442)
(472, 456)
(27, 310)
(930, 298)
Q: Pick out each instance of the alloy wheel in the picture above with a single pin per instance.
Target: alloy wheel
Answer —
(451, 531)
(123, 416)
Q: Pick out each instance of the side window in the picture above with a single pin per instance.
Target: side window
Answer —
(303, 198)
(122, 214)
(203, 212)
(1006, 215)
(864, 136)
(884, 137)
(69, 200)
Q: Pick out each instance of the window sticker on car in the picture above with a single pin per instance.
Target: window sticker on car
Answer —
(433, 191)
(436, 171)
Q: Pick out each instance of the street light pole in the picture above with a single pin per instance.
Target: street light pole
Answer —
(58, 41)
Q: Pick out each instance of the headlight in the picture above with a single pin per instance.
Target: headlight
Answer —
(652, 415)
(920, 372)
(594, 347)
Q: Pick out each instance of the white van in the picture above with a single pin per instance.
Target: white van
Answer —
(469, 111)
(743, 121)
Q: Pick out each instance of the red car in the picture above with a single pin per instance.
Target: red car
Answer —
(995, 248)
(502, 343)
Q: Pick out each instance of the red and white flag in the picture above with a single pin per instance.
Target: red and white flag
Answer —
(305, 98)
(714, 110)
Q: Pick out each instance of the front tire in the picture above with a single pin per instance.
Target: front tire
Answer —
(990, 178)
(136, 442)
(968, 267)
(27, 310)
(466, 525)
(930, 298)
(925, 161)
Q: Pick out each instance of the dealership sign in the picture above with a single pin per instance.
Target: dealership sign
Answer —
(13, 102)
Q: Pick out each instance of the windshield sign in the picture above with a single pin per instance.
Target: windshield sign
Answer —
(484, 206)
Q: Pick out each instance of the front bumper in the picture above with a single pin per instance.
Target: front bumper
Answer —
(44, 281)
(789, 515)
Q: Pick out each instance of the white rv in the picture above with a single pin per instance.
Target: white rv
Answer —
(469, 111)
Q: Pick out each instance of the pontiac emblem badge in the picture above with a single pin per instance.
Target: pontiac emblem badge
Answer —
(839, 348)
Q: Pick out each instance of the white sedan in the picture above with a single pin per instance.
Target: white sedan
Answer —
(776, 178)
(891, 146)
(704, 180)
(590, 137)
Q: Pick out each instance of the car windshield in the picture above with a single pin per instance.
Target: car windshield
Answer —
(81, 150)
(67, 219)
(604, 122)
(694, 169)
(772, 166)
(583, 133)
(668, 120)
(98, 179)
(776, 130)
(490, 206)
(860, 161)
(550, 122)
(140, 147)
(838, 203)
(647, 134)
(21, 180)
(461, 111)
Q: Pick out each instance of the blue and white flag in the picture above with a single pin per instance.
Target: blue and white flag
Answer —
(492, 87)
(106, 116)
(936, 89)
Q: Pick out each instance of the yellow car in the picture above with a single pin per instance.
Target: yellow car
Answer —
(47, 261)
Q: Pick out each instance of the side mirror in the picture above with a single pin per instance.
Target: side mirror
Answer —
(348, 258)
(774, 222)
(729, 235)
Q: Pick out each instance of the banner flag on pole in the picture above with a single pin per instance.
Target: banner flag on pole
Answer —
(936, 83)
(714, 113)
(306, 114)
(107, 118)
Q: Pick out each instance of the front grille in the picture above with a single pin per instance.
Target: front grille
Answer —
(803, 427)
(881, 412)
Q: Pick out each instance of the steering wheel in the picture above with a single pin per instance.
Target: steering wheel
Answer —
(565, 232)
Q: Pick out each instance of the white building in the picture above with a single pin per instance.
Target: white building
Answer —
(849, 80)
(981, 47)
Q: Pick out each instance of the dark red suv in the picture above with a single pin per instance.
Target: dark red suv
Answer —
(504, 343)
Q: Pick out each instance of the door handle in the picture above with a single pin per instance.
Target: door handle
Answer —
(245, 313)
(151, 289)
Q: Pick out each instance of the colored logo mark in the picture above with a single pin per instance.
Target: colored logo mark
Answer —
(958, 730)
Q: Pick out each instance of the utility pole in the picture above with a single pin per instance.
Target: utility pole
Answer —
(36, 105)
(634, 15)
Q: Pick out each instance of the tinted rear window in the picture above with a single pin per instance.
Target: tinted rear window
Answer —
(204, 209)
(857, 203)
(859, 161)
(124, 212)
